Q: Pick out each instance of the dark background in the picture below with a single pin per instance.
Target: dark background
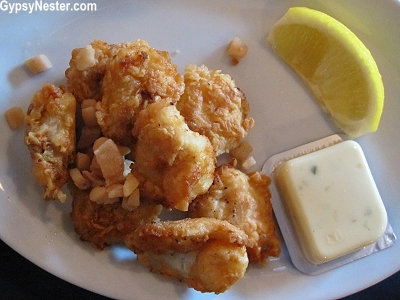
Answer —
(21, 279)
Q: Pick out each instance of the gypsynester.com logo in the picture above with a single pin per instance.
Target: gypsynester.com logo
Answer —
(39, 5)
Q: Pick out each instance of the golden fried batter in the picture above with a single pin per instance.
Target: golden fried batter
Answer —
(104, 224)
(175, 127)
(174, 163)
(244, 201)
(50, 137)
(86, 83)
(213, 106)
(206, 253)
(135, 76)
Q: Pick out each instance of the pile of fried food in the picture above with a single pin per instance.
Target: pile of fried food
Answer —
(130, 137)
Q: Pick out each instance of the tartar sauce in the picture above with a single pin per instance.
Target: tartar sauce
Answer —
(332, 201)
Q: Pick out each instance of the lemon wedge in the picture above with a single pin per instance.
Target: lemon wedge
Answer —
(337, 67)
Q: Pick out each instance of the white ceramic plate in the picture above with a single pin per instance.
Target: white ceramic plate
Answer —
(285, 114)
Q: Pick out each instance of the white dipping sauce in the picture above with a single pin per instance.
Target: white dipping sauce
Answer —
(332, 201)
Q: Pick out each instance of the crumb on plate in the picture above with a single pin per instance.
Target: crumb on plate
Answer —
(15, 117)
(38, 64)
(237, 49)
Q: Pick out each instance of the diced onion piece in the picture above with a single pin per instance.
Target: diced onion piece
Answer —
(237, 49)
(99, 195)
(115, 190)
(15, 117)
(248, 163)
(85, 58)
(131, 184)
(88, 103)
(93, 178)
(61, 196)
(81, 182)
(242, 151)
(110, 161)
(89, 116)
(95, 167)
(97, 143)
(132, 202)
(82, 161)
(38, 64)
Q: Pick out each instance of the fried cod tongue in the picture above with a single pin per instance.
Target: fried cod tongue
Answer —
(175, 164)
(50, 137)
(244, 201)
(105, 224)
(214, 106)
(136, 76)
(207, 254)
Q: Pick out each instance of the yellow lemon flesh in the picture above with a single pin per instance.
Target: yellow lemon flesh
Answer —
(335, 65)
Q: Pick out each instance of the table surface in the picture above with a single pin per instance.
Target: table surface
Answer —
(21, 279)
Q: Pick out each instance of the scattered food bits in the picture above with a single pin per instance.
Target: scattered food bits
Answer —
(81, 182)
(88, 103)
(237, 49)
(89, 116)
(242, 151)
(115, 190)
(248, 163)
(15, 117)
(61, 196)
(98, 142)
(132, 202)
(38, 64)
(99, 195)
(110, 161)
(130, 185)
(85, 58)
(95, 180)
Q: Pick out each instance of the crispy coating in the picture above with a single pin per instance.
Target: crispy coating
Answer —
(183, 235)
(213, 106)
(244, 201)
(176, 126)
(173, 163)
(206, 253)
(104, 224)
(135, 76)
(50, 137)
(86, 83)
